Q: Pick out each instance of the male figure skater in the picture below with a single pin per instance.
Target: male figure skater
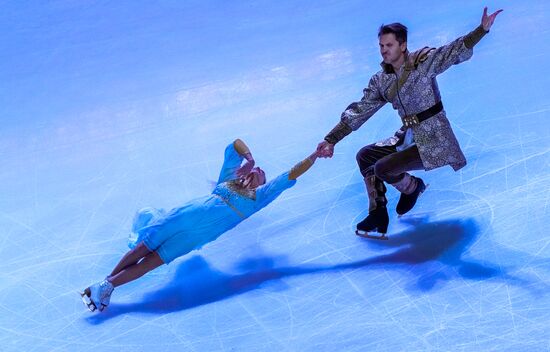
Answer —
(425, 141)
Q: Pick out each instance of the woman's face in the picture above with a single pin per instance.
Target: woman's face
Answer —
(254, 179)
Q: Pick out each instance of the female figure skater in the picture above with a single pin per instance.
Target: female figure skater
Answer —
(158, 238)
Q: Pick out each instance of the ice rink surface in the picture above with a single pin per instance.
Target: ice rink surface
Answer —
(108, 107)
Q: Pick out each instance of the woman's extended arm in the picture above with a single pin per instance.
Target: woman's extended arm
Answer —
(304, 165)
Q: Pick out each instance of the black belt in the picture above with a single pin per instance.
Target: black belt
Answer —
(412, 120)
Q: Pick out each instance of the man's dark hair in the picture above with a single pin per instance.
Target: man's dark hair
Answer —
(399, 30)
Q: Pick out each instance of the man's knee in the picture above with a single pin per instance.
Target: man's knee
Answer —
(361, 155)
(365, 159)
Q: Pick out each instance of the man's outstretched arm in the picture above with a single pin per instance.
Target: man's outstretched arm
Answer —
(355, 115)
(438, 60)
(472, 38)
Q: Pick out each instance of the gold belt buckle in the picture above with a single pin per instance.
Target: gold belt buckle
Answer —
(410, 121)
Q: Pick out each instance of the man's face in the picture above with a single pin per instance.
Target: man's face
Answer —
(390, 49)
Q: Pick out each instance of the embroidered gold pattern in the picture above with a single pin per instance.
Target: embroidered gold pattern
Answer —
(235, 186)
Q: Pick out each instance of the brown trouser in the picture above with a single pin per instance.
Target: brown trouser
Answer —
(388, 164)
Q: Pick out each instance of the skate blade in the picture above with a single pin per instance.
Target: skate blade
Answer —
(381, 236)
(87, 302)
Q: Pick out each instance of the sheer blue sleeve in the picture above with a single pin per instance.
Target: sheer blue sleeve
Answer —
(231, 163)
(271, 190)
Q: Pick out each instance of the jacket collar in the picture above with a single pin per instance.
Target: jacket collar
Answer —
(387, 68)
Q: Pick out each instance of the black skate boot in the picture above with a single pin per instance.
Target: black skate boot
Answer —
(408, 198)
(378, 219)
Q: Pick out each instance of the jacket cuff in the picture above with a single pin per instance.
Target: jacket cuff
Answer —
(338, 133)
(472, 38)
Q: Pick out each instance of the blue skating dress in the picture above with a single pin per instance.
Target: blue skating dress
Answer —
(202, 220)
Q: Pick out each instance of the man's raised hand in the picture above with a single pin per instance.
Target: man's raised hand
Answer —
(487, 20)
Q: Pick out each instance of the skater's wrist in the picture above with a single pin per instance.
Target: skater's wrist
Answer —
(472, 38)
(339, 132)
(249, 158)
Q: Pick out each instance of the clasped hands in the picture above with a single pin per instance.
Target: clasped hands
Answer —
(325, 150)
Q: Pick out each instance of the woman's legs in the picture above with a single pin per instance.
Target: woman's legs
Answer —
(134, 271)
(130, 258)
(134, 264)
